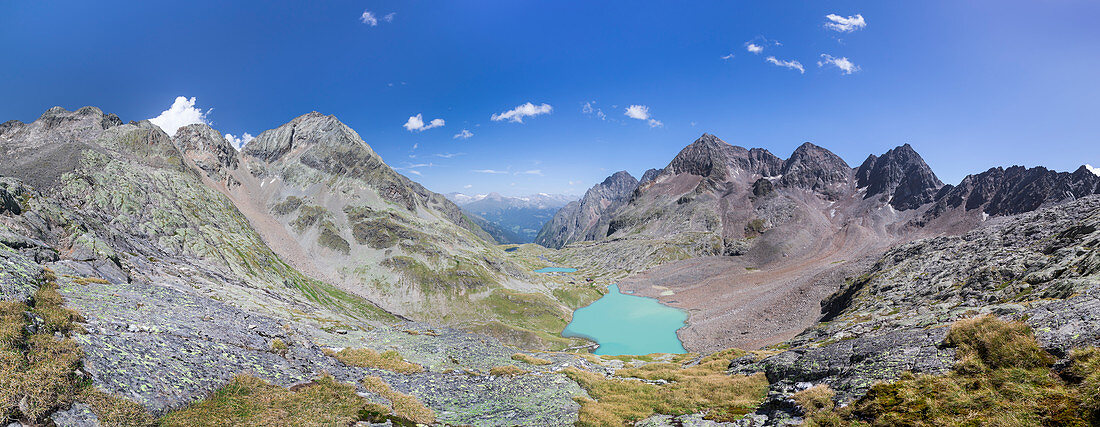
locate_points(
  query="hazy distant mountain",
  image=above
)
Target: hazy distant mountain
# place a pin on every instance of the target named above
(511, 219)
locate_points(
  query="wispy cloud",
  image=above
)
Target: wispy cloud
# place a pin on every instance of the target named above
(468, 186)
(641, 112)
(526, 110)
(845, 24)
(416, 123)
(465, 134)
(846, 67)
(792, 64)
(489, 171)
(758, 43)
(368, 18)
(180, 114)
(728, 57)
(449, 155)
(238, 143)
(589, 108)
(389, 17)
(531, 172)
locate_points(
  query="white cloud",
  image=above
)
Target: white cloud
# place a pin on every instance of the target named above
(465, 134)
(415, 172)
(727, 57)
(489, 171)
(449, 155)
(792, 64)
(845, 25)
(1093, 169)
(589, 109)
(180, 114)
(368, 18)
(754, 48)
(238, 143)
(416, 123)
(467, 186)
(845, 66)
(531, 172)
(640, 112)
(526, 110)
(389, 16)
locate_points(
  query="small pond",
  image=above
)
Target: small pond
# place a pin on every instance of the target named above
(628, 324)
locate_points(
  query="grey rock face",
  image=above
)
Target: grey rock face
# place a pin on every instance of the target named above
(900, 176)
(208, 149)
(588, 218)
(814, 168)
(649, 175)
(851, 366)
(711, 157)
(79, 415)
(1000, 191)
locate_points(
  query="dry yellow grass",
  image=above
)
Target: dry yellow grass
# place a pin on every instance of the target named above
(815, 399)
(250, 401)
(531, 360)
(115, 411)
(37, 371)
(704, 387)
(403, 405)
(507, 370)
(366, 358)
(87, 280)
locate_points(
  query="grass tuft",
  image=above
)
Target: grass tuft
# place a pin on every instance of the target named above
(704, 387)
(530, 360)
(404, 406)
(507, 370)
(248, 400)
(367, 358)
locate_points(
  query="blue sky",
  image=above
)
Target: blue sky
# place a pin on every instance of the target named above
(970, 85)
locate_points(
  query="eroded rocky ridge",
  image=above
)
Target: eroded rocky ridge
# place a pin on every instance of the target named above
(589, 217)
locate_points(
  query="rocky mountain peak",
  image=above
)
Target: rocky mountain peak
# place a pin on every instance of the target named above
(207, 148)
(306, 131)
(815, 168)
(711, 157)
(619, 180)
(705, 157)
(900, 176)
(588, 218)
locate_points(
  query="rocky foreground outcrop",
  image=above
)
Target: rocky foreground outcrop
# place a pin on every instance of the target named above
(1041, 267)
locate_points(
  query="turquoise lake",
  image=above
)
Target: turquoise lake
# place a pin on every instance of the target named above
(628, 324)
(555, 270)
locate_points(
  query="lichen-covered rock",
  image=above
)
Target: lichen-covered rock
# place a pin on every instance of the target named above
(79, 415)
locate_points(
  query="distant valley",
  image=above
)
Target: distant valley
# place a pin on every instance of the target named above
(510, 220)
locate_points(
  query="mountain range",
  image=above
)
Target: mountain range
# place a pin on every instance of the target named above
(779, 228)
(510, 220)
(148, 278)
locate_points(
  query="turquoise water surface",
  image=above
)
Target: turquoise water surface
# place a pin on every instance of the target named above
(555, 270)
(628, 324)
